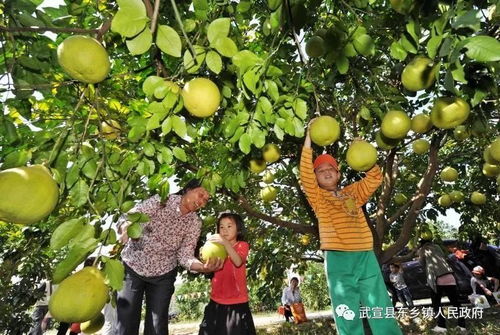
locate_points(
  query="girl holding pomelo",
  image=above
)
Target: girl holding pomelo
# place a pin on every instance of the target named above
(228, 312)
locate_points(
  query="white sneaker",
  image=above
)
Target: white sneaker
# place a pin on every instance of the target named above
(438, 329)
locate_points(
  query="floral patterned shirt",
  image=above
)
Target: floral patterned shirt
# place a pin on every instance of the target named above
(168, 239)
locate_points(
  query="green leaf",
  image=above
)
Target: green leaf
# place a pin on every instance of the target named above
(246, 59)
(483, 49)
(79, 193)
(471, 19)
(458, 72)
(149, 149)
(135, 6)
(365, 113)
(141, 43)
(397, 51)
(154, 121)
(201, 9)
(179, 126)
(16, 158)
(217, 29)
(279, 132)
(165, 156)
(180, 154)
(151, 83)
(168, 41)
(189, 62)
(413, 29)
(449, 83)
(479, 95)
(342, 63)
(251, 79)
(433, 45)
(65, 232)
(226, 46)
(138, 217)
(258, 138)
(214, 62)
(114, 273)
(128, 23)
(407, 44)
(244, 6)
(75, 256)
(300, 108)
(244, 143)
(166, 126)
(272, 89)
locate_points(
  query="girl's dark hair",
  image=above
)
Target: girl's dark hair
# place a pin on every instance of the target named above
(190, 185)
(240, 226)
(294, 278)
(395, 265)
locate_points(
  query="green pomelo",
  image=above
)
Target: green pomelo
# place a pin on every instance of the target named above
(84, 59)
(27, 194)
(211, 250)
(80, 297)
(449, 112)
(395, 124)
(419, 74)
(324, 130)
(361, 156)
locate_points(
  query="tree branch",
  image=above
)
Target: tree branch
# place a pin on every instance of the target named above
(52, 29)
(299, 228)
(154, 19)
(418, 201)
(385, 195)
(149, 8)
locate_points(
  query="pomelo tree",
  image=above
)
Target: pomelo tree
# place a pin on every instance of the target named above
(110, 143)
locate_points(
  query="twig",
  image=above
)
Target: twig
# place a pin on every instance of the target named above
(154, 19)
(181, 25)
(52, 29)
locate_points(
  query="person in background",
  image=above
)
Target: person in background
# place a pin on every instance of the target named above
(167, 240)
(40, 316)
(291, 295)
(228, 312)
(352, 270)
(481, 284)
(441, 281)
(402, 290)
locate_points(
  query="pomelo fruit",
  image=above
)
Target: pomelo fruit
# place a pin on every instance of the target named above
(27, 194)
(84, 59)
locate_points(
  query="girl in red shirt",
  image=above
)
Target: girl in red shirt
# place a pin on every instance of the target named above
(228, 312)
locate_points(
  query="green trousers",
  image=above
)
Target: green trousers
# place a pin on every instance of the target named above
(356, 285)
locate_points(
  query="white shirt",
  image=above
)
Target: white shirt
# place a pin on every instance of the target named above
(290, 297)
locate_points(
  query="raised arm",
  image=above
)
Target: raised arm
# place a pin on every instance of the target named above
(307, 176)
(368, 185)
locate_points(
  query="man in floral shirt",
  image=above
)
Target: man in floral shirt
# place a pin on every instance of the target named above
(168, 239)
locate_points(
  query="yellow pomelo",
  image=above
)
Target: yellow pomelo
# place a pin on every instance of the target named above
(257, 165)
(211, 250)
(419, 74)
(478, 198)
(80, 297)
(445, 200)
(488, 157)
(421, 123)
(449, 112)
(395, 124)
(305, 239)
(268, 177)
(268, 193)
(449, 174)
(94, 325)
(361, 156)
(385, 143)
(27, 194)
(400, 199)
(403, 6)
(420, 146)
(491, 170)
(201, 97)
(110, 129)
(271, 153)
(84, 59)
(315, 47)
(460, 133)
(495, 150)
(324, 130)
(457, 196)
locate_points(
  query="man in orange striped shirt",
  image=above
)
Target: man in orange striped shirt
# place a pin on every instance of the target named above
(353, 272)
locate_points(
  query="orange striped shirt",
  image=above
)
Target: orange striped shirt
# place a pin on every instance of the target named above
(342, 224)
